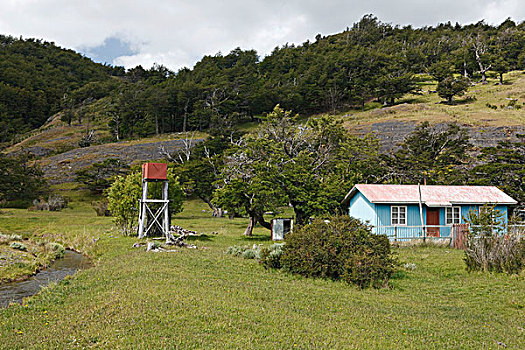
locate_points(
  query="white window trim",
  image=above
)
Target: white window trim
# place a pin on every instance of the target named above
(452, 209)
(391, 214)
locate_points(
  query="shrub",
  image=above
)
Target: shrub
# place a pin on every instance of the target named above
(55, 202)
(101, 208)
(344, 248)
(58, 249)
(18, 246)
(245, 251)
(236, 250)
(488, 248)
(4, 239)
(271, 257)
(249, 254)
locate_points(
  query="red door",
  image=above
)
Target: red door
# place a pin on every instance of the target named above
(433, 220)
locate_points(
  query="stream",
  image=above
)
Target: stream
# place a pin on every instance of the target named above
(59, 269)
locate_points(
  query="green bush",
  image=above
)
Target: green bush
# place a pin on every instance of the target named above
(271, 257)
(18, 246)
(488, 247)
(236, 250)
(245, 251)
(344, 248)
(101, 207)
(249, 254)
(58, 249)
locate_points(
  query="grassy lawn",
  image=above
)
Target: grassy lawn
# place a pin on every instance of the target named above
(205, 298)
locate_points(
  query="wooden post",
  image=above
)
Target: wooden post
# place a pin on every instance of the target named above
(421, 207)
(395, 233)
(142, 211)
(166, 211)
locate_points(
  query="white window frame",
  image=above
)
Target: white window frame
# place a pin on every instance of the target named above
(398, 216)
(454, 219)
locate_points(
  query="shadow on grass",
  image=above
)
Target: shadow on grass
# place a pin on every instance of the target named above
(410, 101)
(192, 217)
(200, 238)
(256, 238)
(458, 102)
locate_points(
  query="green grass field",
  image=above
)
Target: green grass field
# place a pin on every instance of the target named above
(206, 299)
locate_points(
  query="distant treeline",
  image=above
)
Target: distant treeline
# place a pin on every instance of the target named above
(370, 61)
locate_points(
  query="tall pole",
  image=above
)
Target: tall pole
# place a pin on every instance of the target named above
(421, 209)
(142, 212)
(166, 221)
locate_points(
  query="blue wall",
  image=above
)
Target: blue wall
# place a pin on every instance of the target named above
(362, 209)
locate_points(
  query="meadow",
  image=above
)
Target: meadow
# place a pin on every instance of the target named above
(205, 299)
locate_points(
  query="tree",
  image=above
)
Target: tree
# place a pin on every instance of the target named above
(285, 162)
(450, 87)
(20, 182)
(100, 175)
(125, 192)
(482, 56)
(500, 66)
(246, 183)
(503, 166)
(436, 154)
(441, 70)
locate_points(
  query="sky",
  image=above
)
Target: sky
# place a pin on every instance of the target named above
(177, 33)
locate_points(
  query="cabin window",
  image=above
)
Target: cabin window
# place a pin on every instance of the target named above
(453, 215)
(399, 215)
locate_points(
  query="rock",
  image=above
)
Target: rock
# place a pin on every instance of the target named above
(151, 246)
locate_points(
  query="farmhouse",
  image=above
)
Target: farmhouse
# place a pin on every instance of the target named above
(412, 211)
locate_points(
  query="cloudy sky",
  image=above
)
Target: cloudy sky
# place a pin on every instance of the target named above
(178, 33)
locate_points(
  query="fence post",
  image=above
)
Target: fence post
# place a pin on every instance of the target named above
(395, 233)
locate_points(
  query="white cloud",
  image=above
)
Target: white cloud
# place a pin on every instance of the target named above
(178, 33)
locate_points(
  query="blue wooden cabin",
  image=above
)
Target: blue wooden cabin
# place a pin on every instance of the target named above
(404, 212)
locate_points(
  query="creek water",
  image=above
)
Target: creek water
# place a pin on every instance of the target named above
(59, 269)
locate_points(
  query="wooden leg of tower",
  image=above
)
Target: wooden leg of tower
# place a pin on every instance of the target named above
(142, 210)
(166, 221)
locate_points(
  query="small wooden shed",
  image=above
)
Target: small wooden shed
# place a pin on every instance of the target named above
(281, 227)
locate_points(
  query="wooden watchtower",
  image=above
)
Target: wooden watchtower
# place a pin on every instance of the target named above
(153, 212)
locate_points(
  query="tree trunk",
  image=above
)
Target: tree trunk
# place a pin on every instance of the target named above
(156, 125)
(501, 78)
(483, 78)
(263, 223)
(300, 216)
(450, 99)
(216, 212)
(249, 229)
(392, 100)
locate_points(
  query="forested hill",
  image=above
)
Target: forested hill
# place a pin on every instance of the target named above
(35, 76)
(371, 61)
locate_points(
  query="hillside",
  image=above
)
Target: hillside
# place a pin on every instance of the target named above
(491, 112)
(374, 77)
(36, 81)
(56, 144)
(369, 61)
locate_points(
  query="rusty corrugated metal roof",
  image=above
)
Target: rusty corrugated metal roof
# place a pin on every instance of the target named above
(432, 195)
